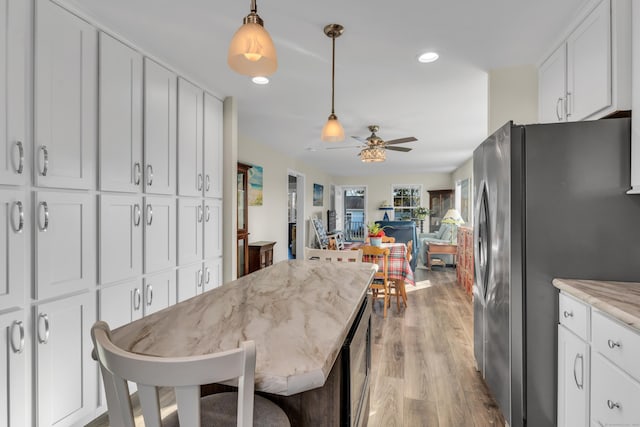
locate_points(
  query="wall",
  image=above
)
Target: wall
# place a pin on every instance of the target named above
(270, 221)
(513, 95)
(379, 188)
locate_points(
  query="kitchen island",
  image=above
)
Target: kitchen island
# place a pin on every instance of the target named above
(299, 313)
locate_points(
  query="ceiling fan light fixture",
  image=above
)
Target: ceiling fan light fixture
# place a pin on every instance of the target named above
(251, 51)
(373, 155)
(260, 80)
(333, 130)
(428, 57)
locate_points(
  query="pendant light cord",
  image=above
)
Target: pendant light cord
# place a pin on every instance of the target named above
(333, 72)
(254, 7)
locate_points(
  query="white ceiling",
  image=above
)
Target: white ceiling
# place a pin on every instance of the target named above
(378, 80)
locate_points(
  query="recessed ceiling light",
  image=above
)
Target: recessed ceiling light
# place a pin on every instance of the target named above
(260, 80)
(428, 57)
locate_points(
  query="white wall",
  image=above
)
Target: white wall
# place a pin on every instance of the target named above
(270, 221)
(513, 95)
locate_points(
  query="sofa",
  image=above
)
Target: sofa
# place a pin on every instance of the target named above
(442, 235)
(403, 231)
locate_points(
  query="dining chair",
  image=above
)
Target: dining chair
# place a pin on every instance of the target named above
(385, 239)
(380, 281)
(331, 255)
(185, 375)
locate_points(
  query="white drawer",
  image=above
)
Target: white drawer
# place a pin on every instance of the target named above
(617, 342)
(574, 315)
(614, 395)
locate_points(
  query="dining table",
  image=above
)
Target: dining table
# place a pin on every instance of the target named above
(399, 267)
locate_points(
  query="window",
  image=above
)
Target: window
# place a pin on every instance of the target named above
(405, 199)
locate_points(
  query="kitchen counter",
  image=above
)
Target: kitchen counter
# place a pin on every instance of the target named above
(298, 313)
(621, 300)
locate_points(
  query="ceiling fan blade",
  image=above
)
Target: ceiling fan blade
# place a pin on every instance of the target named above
(359, 138)
(400, 140)
(340, 148)
(403, 149)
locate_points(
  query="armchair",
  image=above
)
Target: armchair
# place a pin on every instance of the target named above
(403, 232)
(442, 235)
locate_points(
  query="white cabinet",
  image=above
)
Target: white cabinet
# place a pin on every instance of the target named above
(212, 228)
(190, 230)
(160, 119)
(190, 281)
(159, 291)
(159, 233)
(614, 395)
(13, 53)
(13, 217)
(190, 141)
(120, 242)
(66, 380)
(13, 364)
(212, 146)
(65, 243)
(121, 304)
(65, 99)
(589, 75)
(573, 379)
(120, 116)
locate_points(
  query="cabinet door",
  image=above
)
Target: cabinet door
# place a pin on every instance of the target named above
(13, 217)
(160, 118)
(573, 379)
(159, 291)
(212, 146)
(13, 26)
(121, 304)
(65, 243)
(190, 281)
(120, 116)
(614, 395)
(212, 275)
(66, 381)
(65, 99)
(13, 363)
(120, 237)
(159, 233)
(190, 177)
(552, 87)
(212, 228)
(589, 64)
(190, 218)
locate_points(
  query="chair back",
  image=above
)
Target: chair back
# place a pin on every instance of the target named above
(385, 239)
(409, 250)
(333, 256)
(185, 374)
(376, 254)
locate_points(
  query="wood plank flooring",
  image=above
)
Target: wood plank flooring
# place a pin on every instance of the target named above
(423, 371)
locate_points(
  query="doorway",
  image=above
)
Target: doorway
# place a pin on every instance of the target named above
(350, 206)
(295, 214)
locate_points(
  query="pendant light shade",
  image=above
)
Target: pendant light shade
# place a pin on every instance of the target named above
(333, 130)
(251, 51)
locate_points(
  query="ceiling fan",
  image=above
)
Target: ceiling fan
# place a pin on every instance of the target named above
(374, 141)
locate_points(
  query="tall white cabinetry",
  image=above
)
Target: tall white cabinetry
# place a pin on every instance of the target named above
(589, 75)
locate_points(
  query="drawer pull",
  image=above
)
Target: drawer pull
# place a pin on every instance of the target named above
(613, 405)
(137, 173)
(20, 167)
(613, 344)
(567, 314)
(580, 384)
(137, 299)
(45, 160)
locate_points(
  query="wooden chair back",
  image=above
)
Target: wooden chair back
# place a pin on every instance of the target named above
(333, 256)
(409, 250)
(185, 374)
(380, 281)
(385, 239)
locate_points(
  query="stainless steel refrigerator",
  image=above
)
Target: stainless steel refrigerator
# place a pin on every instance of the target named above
(549, 202)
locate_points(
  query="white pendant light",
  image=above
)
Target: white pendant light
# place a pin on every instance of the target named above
(333, 130)
(251, 51)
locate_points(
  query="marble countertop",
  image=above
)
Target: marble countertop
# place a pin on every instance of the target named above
(297, 312)
(621, 300)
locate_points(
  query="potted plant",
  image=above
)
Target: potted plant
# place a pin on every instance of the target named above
(375, 232)
(421, 214)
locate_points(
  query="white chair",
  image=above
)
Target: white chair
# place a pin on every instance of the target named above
(334, 256)
(326, 239)
(185, 374)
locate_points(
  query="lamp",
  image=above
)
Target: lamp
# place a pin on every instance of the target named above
(251, 51)
(333, 130)
(385, 206)
(454, 218)
(373, 154)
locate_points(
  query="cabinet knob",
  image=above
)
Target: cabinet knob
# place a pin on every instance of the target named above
(613, 344)
(613, 405)
(567, 314)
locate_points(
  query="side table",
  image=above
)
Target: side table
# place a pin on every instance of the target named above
(440, 248)
(260, 255)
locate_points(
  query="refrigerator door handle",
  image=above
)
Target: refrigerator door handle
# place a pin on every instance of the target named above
(483, 243)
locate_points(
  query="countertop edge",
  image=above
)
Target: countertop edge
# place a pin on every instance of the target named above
(621, 315)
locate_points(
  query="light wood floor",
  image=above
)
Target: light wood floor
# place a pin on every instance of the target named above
(423, 370)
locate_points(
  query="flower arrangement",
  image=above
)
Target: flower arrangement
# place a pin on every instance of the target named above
(421, 212)
(375, 230)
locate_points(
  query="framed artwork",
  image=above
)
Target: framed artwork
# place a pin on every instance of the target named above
(255, 186)
(317, 194)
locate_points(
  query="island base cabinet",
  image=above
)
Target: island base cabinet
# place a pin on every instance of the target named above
(615, 396)
(573, 379)
(13, 364)
(66, 380)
